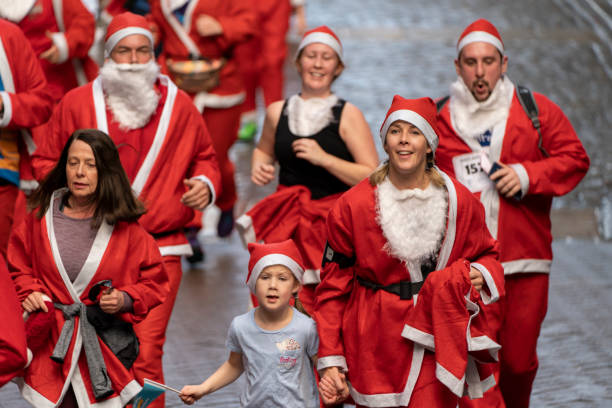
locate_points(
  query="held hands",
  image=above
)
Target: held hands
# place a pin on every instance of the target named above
(309, 150)
(208, 26)
(333, 388)
(197, 195)
(506, 181)
(262, 173)
(33, 302)
(191, 393)
(111, 301)
(476, 278)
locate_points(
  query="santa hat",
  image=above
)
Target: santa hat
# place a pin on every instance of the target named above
(324, 35)
(121, 26)
(480, 31)
(281, 253)
(419, 112)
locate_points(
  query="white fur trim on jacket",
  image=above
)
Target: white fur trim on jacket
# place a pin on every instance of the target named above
(59, 40)
(523, 177)
(244, 225)
(526, 266)
(490, 284)
(7, 115)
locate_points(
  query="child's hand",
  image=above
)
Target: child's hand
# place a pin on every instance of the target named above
(190, 394)
(333, 392)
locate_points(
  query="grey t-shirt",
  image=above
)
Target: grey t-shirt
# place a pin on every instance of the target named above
(277, 365)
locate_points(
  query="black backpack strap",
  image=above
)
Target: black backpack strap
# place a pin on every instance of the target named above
(441, 102)
(530, 107)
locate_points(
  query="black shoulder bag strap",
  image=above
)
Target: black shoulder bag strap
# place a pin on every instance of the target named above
(530, 107)
(441, 102)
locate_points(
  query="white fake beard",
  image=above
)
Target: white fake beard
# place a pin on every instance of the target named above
(130, 92)
(412, 220)
(15, 10)
(472, 118)
(309, 116)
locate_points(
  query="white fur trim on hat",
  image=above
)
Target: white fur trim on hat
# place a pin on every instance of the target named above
(274, 259)
(417, 120)
(323, 38)
(480, 36)
(121, 34)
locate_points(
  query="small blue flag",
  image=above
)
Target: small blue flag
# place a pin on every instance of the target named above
(150, 391)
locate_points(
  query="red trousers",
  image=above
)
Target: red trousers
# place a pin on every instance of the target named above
(428, 391)
(524, 311)
(152, 331)
(223, 127)
(261, 59)
(8, 197)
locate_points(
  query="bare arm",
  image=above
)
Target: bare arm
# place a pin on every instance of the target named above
(226, 374)
(262, 162)
(355, 132)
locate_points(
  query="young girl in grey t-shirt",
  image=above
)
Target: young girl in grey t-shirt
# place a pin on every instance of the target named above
(274, 344)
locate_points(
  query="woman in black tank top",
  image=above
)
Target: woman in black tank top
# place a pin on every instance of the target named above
(323, 146)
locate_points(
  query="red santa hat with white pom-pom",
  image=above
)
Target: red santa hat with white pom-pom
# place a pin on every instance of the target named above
(324, 35)
(281, 253)
(480, 31)
(419, 112)
(121, 26)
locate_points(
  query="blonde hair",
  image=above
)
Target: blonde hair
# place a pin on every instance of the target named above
(379, 175)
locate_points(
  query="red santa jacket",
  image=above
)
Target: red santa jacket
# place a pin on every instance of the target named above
(13, 355)
(179, 40)
(523, 227)
(124, 253)
(180, 148)
(450, 319)
(360, 329)
(26, 99)
(72, 29)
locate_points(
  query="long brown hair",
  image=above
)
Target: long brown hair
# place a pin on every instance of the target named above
(113, 199)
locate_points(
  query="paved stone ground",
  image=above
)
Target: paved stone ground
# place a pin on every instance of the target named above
(391, 48)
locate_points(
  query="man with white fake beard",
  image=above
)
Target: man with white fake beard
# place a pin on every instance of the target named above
(164, 147)
(515, 162)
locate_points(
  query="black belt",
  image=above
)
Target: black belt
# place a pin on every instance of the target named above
(404, 289)
(159, 235)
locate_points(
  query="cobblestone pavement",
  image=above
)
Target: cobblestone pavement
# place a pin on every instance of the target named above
(561, 48)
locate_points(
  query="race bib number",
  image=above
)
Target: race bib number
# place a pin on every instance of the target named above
(469, 172)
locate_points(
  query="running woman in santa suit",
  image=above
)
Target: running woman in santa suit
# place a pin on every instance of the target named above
(407, 230)
(323, 146)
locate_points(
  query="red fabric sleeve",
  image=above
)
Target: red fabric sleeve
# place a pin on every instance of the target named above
(152, 288)
(333, 293)
(19, 259)
(238, 24)
(13, 356)
(80, 28)
(205, 162)
(50, 139)
(568, 161)
(31, 102)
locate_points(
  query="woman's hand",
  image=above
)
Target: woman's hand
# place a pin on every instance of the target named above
(33, 302)
(476, 278)
(333, 387)
(208, 26)
(308, 149)
(262, 173)
(111, 301)
(191, 393)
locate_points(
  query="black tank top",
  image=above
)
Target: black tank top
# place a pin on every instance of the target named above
(294, 171)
